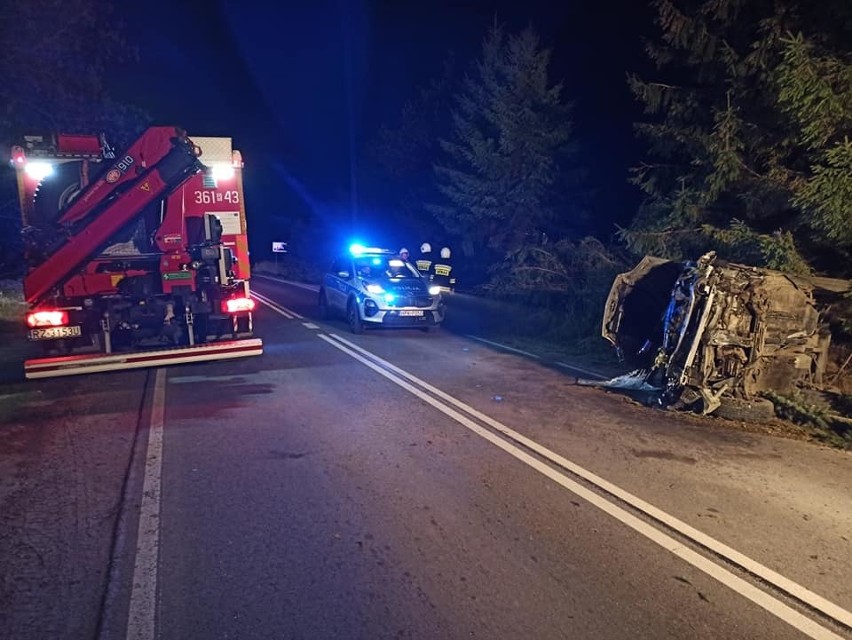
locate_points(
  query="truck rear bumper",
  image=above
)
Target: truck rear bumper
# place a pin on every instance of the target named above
(96, 363)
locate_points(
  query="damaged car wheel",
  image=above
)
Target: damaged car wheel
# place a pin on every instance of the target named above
(754, 410)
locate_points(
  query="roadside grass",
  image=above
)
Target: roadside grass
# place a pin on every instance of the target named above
(824, 416)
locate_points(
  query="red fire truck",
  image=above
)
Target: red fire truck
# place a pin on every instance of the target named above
(135, 259)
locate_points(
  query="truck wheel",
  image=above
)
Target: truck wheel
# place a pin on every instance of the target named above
(323, 305)
(55, 192)
(353, 318)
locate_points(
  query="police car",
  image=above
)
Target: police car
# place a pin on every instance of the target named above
(375, 288)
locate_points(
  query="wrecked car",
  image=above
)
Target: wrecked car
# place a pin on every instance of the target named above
(708, 332)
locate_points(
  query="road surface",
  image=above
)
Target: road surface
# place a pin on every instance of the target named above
(403, 485)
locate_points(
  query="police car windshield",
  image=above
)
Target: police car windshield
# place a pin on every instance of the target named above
(384, 267)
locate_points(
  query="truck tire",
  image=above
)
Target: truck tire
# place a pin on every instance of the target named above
(55, 192)
(754, 410)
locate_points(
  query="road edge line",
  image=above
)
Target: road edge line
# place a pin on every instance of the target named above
(142, 612)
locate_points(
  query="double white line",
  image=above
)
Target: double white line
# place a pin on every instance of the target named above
(561, 470)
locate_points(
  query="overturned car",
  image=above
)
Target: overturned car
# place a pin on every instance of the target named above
(708, 332)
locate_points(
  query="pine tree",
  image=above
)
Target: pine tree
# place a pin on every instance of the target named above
(816, 93)
(746, 133)
(504, 173)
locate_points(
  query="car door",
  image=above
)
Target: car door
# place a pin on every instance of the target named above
(336, 284)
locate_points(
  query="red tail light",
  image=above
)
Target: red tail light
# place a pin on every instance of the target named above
(18, 157)
(47, 318)
(237, 305)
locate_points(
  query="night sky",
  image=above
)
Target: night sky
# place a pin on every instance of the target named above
(302, 88)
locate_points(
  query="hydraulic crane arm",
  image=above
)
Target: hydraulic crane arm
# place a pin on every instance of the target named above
(149, 149)
(164, 160)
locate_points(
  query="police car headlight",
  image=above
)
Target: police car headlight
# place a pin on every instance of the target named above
(433, 291)
(375, 288)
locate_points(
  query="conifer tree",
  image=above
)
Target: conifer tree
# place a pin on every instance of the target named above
(504, 175)
(747, 133)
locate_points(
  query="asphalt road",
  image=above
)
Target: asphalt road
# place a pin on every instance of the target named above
(403, 485)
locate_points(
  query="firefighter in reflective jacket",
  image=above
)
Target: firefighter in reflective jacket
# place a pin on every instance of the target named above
(442, 272)
(424, 261)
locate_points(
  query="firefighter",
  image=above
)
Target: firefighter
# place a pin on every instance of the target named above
(442, 270)
(424, 262)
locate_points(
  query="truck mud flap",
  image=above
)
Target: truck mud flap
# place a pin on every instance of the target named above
(96, 363)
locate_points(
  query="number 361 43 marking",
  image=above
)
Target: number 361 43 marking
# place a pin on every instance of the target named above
(212, 197)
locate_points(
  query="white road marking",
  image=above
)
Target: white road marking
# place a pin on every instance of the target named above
(310, 325)
(19, 394)
(277, 307)
(726, 577)
(192, 379)
(588, 372)
(503, 346)
(141, 618)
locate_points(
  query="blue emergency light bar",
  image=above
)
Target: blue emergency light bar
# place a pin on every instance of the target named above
(359, 249)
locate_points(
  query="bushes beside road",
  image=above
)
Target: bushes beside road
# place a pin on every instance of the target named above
(561, 289)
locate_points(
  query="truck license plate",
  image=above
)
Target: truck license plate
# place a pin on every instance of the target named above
(52, 333)
(411, 312)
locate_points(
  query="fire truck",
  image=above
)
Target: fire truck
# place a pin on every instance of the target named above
(134, 259)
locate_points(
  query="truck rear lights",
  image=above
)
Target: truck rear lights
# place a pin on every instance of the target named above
(18, 157)
(47, 318)
(237, 305)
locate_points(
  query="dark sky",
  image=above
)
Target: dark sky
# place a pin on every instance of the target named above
(303, 86)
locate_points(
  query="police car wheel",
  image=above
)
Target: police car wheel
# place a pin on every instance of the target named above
(352, 317)
(323, 306)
